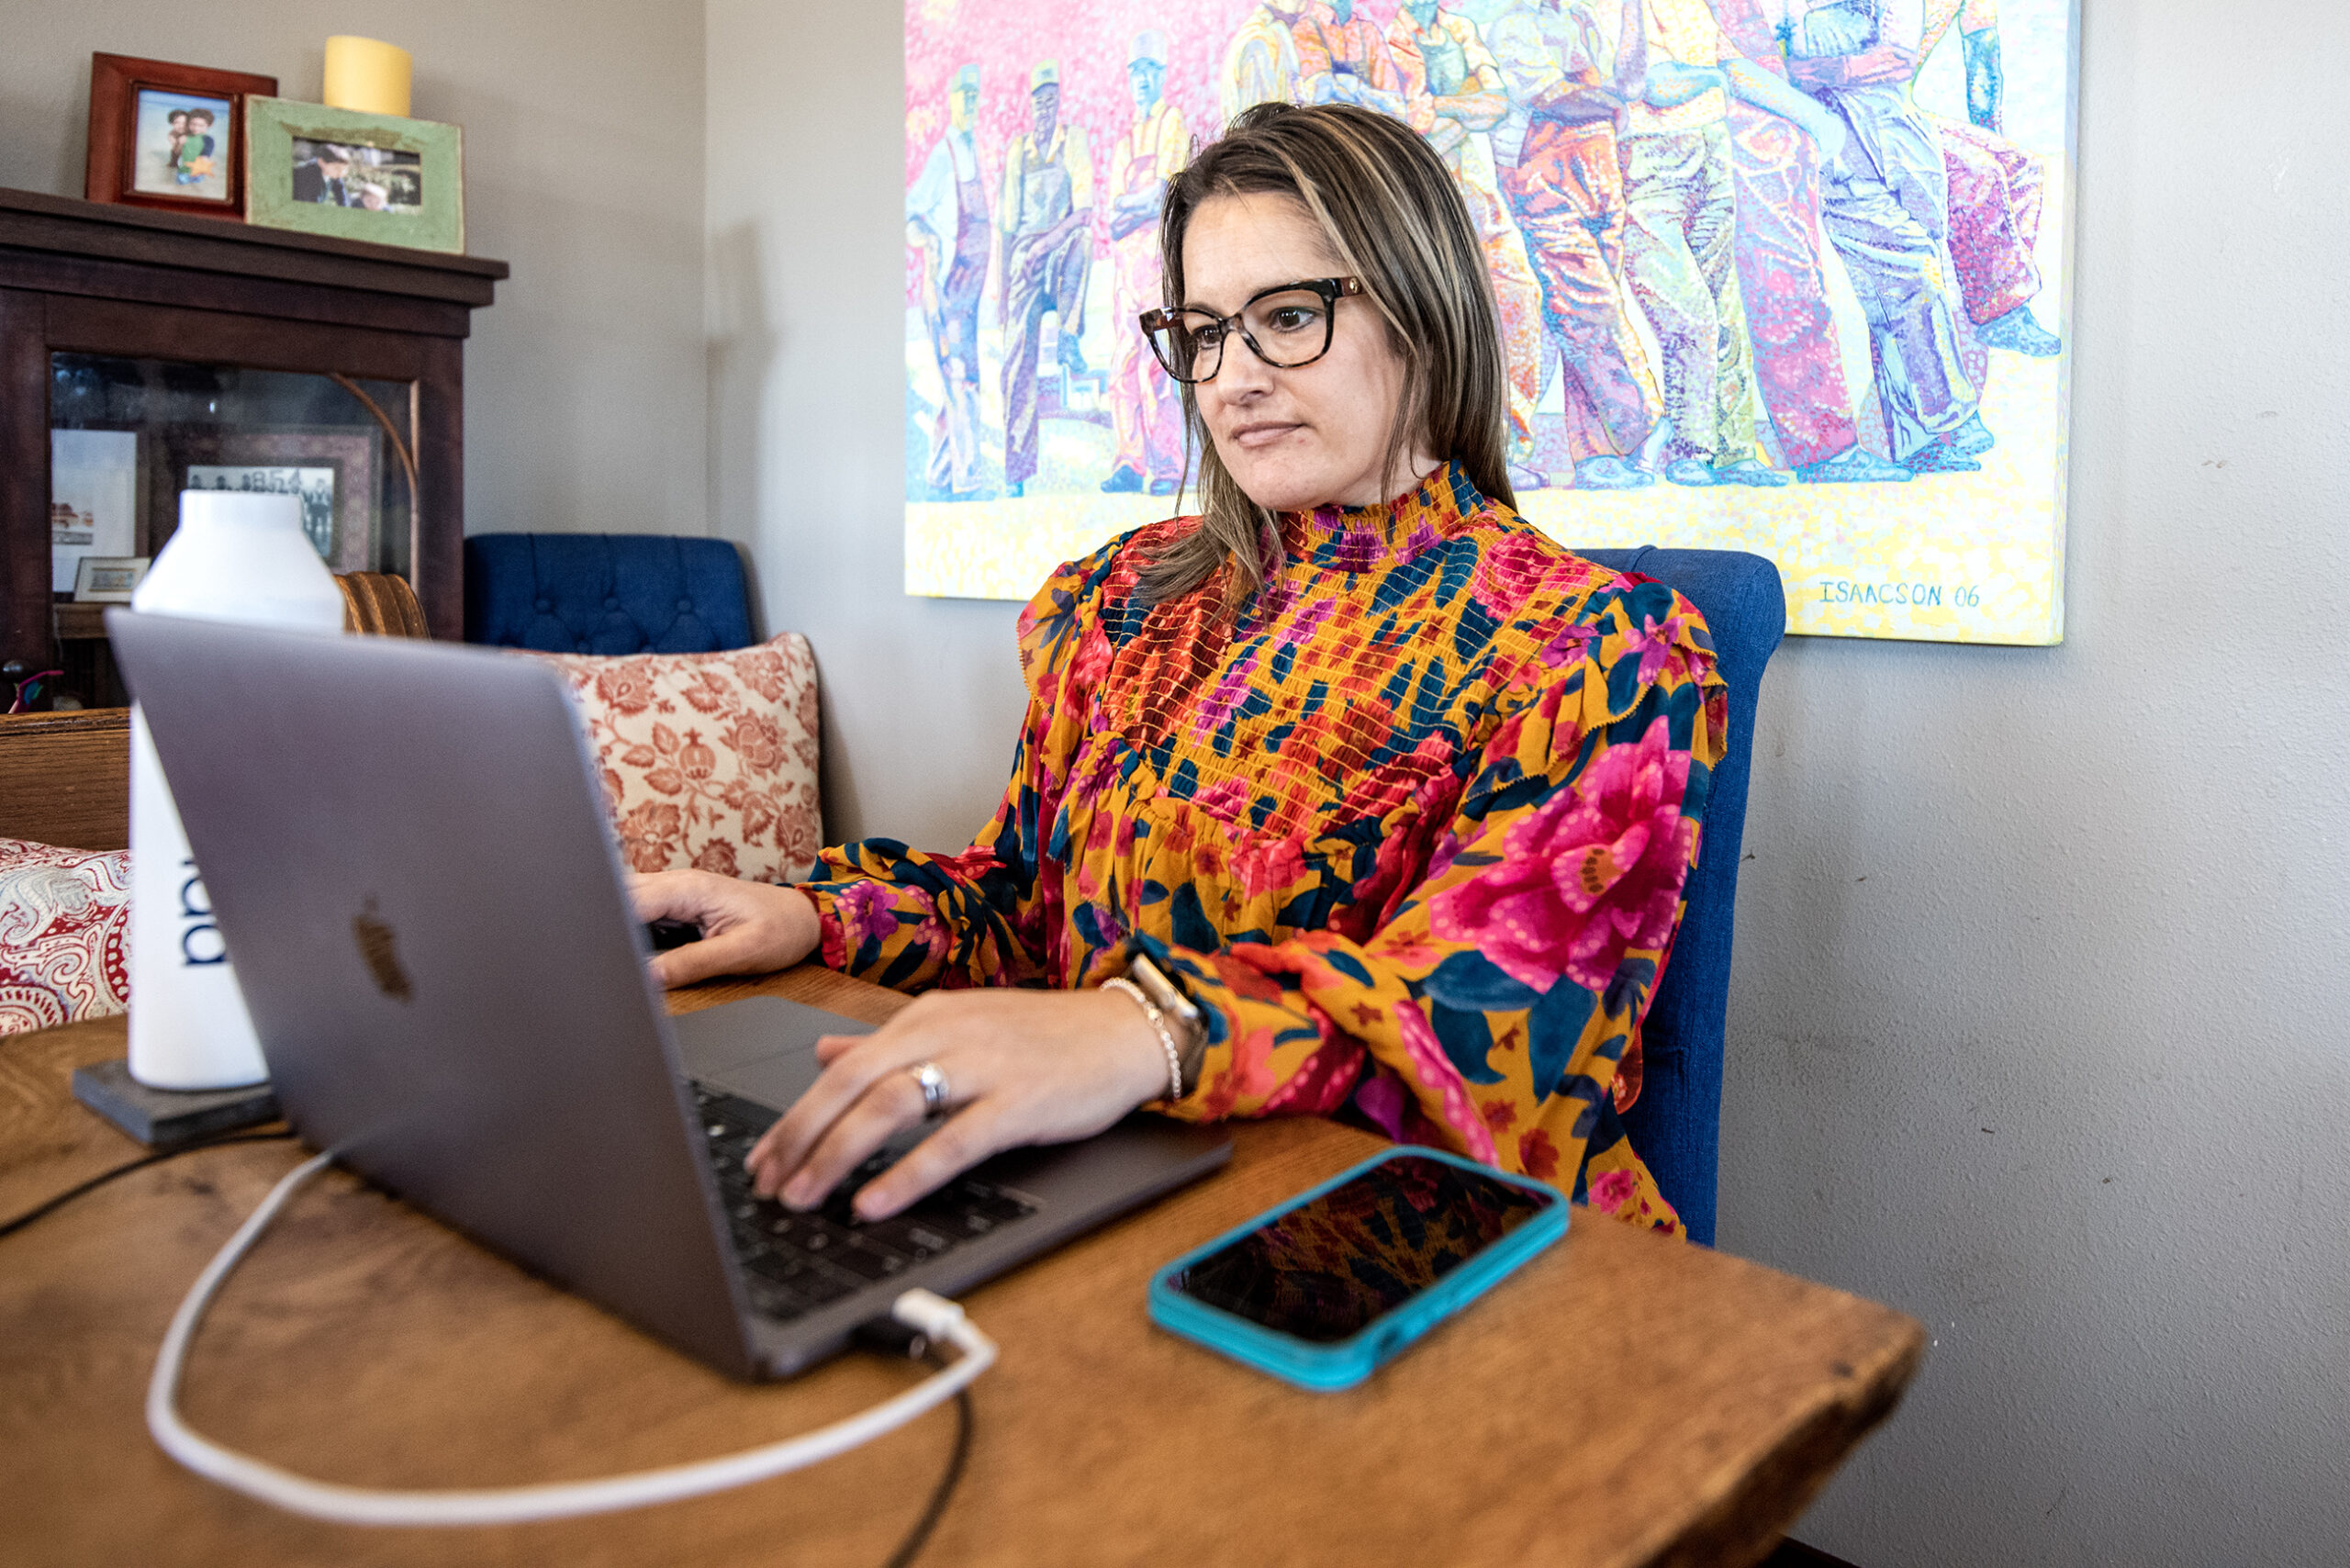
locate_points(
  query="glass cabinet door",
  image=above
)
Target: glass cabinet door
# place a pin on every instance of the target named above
(127, 435)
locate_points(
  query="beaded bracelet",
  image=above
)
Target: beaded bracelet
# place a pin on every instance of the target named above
(1121, 984)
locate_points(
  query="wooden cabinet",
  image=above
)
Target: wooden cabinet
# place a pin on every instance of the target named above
(161, 306)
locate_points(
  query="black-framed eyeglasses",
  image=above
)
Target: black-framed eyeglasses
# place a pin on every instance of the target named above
(1288, 326)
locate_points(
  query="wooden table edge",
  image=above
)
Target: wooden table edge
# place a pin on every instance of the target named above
(1746, 1521)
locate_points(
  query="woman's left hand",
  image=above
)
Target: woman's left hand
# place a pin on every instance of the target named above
(1022, 1066)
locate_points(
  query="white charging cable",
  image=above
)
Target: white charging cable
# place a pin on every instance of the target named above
(935, 1317)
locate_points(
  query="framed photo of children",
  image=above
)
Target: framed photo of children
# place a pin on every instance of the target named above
(355, 176)
(168, 135)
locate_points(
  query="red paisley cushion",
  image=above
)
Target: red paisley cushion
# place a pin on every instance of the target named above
(65, 935)
(708, 760)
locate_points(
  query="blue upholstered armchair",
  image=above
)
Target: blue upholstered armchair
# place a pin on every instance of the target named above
(1676, 1122)
(605, 593)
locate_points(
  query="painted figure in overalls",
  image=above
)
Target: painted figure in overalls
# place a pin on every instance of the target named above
(1144, 408)
(1453, 96)
(1681, 231)
(947, 220)
(1342, 59)
(1887, 208)
(1260, 60)
(1555, 154)
(1995, 190)
(1783, 265)
(1045, 217)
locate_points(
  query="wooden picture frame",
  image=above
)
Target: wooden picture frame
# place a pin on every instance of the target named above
(130, 104)
(411, 171)
(352, 451)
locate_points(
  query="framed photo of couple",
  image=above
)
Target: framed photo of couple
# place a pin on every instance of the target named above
(168, 135)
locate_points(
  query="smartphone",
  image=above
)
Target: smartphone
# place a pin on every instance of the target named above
(1340, 1280)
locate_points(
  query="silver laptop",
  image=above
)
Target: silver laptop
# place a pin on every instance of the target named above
(407, 854)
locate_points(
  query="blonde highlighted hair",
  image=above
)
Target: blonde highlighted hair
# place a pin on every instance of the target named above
(1395, 220)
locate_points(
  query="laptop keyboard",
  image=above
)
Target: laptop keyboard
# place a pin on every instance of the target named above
(793, 1262)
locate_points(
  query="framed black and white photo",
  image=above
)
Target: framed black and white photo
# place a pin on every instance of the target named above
(336, 472)
(315, 486)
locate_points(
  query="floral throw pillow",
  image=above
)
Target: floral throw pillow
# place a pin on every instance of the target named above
(708, 760)
(65, 935)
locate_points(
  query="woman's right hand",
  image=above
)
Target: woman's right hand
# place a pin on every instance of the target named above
(747, 928)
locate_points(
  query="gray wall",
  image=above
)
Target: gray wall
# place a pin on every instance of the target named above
(2089, 897)
(806, 291)
(583, 149)
(2038, 1029)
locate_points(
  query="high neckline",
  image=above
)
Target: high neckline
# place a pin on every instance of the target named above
(1360, 539)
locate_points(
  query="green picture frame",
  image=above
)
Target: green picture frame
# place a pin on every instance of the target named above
(352, 175)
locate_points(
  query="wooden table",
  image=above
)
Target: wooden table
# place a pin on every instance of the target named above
(1622, 1400)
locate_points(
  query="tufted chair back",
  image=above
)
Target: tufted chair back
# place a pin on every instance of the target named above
(605, 593)
(1676, 1122)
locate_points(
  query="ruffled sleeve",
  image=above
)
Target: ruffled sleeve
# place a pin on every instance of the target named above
(911, 919)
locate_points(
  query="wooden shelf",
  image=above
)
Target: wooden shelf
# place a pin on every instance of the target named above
(80, 622)
(65, 226)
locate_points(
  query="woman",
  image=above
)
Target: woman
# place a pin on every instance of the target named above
(1396, 793)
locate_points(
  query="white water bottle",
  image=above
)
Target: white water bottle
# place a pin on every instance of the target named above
(237, 555)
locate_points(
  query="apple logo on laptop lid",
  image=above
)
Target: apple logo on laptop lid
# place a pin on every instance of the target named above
(378, 947)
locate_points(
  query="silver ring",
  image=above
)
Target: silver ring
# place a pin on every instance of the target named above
(934, 1087)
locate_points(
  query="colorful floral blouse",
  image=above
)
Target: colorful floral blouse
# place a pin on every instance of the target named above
(1411, 829)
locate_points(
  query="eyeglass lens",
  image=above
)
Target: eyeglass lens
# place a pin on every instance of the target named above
(1287, 330)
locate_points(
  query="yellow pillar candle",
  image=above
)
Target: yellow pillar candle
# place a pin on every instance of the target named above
(367, 75)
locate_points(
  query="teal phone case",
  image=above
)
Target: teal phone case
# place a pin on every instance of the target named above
(1345, 1363)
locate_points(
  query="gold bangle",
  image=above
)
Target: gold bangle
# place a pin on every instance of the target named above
(1125, 987)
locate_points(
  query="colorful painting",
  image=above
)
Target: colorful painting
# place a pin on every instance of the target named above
(1781, 276)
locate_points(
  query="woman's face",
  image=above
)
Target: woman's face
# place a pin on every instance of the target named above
(1296, 439)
